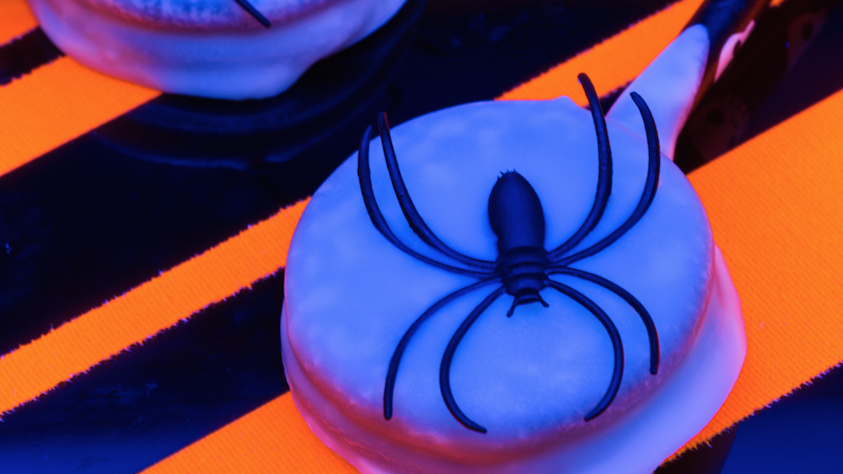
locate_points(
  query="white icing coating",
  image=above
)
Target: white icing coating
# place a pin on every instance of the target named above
(227, 63)
(530, 379)
(669, 84)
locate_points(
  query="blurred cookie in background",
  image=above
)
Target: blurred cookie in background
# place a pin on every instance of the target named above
(224, 49)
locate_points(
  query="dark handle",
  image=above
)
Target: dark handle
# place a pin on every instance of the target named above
(722, 19)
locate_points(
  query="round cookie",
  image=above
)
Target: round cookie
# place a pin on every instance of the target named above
(209, 48)
(530, 379)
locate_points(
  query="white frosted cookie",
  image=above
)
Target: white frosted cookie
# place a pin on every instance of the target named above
(210, 48)
(534, 390)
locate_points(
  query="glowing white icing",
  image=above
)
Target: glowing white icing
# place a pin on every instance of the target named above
(249, 63)
(529, 379)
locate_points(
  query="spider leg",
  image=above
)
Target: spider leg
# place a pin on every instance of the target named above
(413, 218)
(254, 12)
(399, 351)
(445, 367)
(379, 222)
(604, 180)
(631, 300)
(617, 372)
(646, 197)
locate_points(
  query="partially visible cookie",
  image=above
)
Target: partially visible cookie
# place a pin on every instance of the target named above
(208, 48)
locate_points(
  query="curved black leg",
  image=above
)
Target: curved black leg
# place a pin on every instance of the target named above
(631, 300)
(604, 179)
(646, 197)
(399, 351)
(379, 222)
(410, 212)
(445, 367)
(617, 372)
(254, 12)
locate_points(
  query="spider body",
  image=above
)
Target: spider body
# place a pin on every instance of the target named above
(523, 267)
(516, 216)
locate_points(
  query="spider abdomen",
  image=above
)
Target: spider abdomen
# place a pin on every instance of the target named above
(515, 213)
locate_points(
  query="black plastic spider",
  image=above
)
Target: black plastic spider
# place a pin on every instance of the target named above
(523, 265)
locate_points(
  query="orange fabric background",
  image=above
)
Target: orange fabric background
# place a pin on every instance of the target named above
(772, 203)
(55, 115)
(776, 207)
(15, 19)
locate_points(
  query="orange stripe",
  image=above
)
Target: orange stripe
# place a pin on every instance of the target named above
(612, 63)
(15, 20)
(62, 100)
(130, 319)
(777, 213)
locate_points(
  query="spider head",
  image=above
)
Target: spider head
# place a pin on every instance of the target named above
(523, 272)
